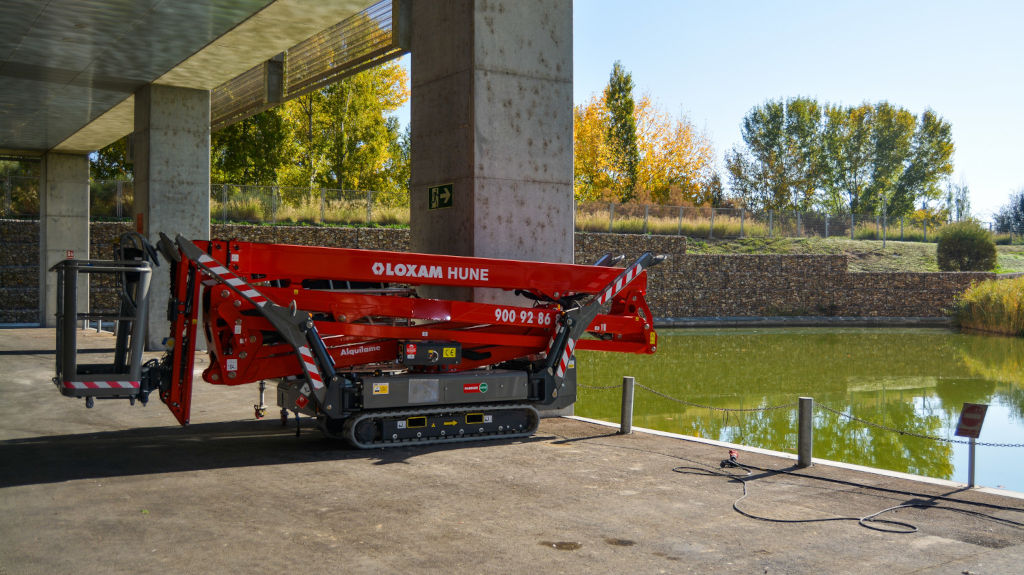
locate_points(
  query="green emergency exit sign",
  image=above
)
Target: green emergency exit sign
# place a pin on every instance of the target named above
(440, 197)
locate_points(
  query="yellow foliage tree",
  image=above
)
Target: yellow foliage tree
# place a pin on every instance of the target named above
(674, 156)
(592, 157)
(676, 160)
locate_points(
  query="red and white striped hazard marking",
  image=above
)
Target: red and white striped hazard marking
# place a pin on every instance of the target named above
(232, 280)
(311, 368)
(620, 282)
(563, 362)
(101, 384)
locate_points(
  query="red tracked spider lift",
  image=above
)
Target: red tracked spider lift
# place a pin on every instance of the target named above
(352, 345)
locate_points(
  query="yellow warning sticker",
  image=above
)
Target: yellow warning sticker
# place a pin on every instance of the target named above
(448, 352)
(380, 389)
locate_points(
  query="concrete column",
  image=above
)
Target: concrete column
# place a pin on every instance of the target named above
(172, 178)
(491, 114)
(63, 226)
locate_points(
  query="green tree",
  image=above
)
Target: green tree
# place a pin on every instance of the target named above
(847, 157)
(757, 173)
(249, 151)
(780, 165)
(111, 162)
(19, 168)
(892, 131)
(621, 136)
(803, 151)
(958, 198)
(1010, 217)
(393, 179)
(339, 136)
(929, 163)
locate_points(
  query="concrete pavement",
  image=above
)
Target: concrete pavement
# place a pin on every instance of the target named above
(120, 489)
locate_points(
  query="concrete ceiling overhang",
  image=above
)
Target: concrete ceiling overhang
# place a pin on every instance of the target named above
(69, 68)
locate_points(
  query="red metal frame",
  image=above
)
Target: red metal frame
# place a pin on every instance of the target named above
(362, 331)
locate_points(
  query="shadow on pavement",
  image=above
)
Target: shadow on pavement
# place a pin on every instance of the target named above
(53, 459)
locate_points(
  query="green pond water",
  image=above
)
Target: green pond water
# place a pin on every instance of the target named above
(915, 380)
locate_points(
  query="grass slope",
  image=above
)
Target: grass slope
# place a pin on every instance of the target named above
(864, 255)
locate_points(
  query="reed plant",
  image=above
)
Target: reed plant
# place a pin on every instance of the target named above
(725, 226)
(995, 306)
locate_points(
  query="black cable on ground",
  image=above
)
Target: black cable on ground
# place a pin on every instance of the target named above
(868, 521)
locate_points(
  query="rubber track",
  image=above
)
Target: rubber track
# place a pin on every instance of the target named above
(350, 425)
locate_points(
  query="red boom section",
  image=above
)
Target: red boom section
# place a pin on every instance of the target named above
(365, 305)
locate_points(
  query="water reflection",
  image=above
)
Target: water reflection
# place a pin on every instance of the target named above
(913, 380)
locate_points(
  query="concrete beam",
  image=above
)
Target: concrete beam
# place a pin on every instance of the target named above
(63, 226)
(172, 178)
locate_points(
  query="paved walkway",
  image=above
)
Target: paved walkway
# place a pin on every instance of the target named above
(120, 489)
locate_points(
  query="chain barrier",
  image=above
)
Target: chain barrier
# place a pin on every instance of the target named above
(690, 403)
(852, 417)
(817, 405)
(598, 387)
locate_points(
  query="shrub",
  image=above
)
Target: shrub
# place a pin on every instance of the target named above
(964, 247)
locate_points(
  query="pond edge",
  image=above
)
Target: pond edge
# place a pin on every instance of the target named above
(815, 461)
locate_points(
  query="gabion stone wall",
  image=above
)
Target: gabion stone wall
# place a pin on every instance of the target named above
(19, 271)
(682, 286)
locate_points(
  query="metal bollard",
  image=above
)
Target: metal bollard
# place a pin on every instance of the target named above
(626, 419)
(805, 433)
(970, 462)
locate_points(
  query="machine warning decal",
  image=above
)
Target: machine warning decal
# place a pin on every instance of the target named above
(449, 352)
(380, 388)
(474, 387)
(232, 364)
(410, 349)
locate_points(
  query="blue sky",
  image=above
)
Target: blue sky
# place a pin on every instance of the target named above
(713, 61)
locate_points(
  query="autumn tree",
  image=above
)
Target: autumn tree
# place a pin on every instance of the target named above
(624, 154)
(674, 160)
(590, 150)
(673, 155)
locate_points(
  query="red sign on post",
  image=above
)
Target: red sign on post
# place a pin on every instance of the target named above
(971, 417)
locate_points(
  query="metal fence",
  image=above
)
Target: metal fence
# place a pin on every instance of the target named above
(19, 198)
(281, 204)
(111, 199)
(706, 222)
(114, 200)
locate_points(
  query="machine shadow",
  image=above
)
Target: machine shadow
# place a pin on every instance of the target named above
(54, 459)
